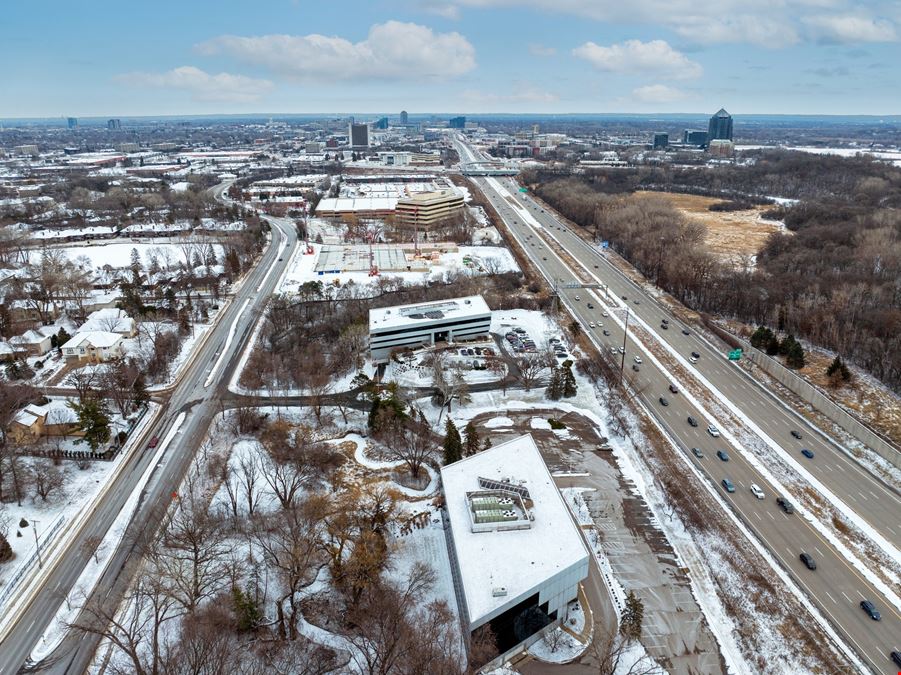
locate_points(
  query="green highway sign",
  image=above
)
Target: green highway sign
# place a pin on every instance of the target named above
(735, 355)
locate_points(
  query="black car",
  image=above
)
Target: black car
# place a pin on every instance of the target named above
(664, 326)
(635, 367)
(785, 505)
(590, 306)
(692, 422)
(663, 401)
(896, 657)
(722, 455)
(664, 321)
(696, 355)
(796, 434)
(673, 389)
(871, 610)
(808, 561)
(606, 332)
(685, 331)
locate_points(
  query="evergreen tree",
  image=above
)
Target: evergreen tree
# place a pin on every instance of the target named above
(93, 420)
(471, 442)
(795, 356)
(62, 337)
(136, 267)
(761, 337)
(453, 444)
(247, 610)
(786, 345)
(838, 369)
(6, 551)
(569, 382)
(554, 389)
(139, 395)
(373, 419)
(772, 346)
(486, 444)
(632, 618)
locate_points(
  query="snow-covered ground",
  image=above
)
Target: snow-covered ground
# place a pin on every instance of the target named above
(119, 254)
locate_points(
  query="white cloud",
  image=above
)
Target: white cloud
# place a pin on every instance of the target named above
(635, 56)
(220, 88)
(851, 28)
(657, 93)
(443, 9)
(525, 94)
(540, 50)
(392, 50)
(756, 30)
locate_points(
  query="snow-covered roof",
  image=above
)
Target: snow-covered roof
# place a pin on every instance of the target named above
(518, 560)
(95, 338)
(31, 337)
(56, 411)
(408, 315)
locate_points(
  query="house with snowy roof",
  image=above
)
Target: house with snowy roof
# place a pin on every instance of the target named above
(55, 418)
(33, 342)
(112, 320)
(93, 347)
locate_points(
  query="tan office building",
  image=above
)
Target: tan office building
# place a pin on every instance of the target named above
(423, 210)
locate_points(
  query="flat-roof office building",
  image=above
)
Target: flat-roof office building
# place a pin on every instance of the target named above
(423, 210)
(516, 554)
(402, 326)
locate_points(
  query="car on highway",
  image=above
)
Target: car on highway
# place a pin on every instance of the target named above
(697, 453)
(896, 657)
(637, 359)
(796, 434)
(624, 297)
(591, 324)
(713, 431)
(636, 367)
(785, 505)
(695, 355)
(807, 453)
(692, 422)
(664, 326)
(604, 314)
(664, 321)
(693, 359)
(728, 485)
(544, 258)
(673, 389)
(606, 332)
(871, 610)
(756, 491)
(685, 331)
(663, 402)
(722, 455)
(590, 306)
(637, 301)
(621, 350)
(578, 298)
(155, 441)
(808, 561)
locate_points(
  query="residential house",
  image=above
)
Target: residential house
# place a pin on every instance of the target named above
(93, 347)
(110, 320)
(33, 342)
(55, 418)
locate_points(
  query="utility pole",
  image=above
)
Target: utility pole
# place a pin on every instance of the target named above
(622, 362)
(37, 543)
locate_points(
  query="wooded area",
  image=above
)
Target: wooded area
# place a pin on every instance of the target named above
(835, 279)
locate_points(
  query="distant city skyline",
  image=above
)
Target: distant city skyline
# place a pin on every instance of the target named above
(563, 56)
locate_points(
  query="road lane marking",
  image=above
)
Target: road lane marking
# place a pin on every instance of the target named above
(771, 516)
(846, 596)
(817, 549)
(830, 596)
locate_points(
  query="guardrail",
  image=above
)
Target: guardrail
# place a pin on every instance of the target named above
(28, 564)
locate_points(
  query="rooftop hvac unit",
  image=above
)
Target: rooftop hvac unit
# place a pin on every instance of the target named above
(499, 591)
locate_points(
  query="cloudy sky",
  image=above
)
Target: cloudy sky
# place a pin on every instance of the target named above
(87, 57)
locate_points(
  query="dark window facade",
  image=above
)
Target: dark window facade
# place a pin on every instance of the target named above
(520, 622)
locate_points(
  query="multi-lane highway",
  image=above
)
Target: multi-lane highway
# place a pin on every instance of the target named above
(197, 393)
(836, 587)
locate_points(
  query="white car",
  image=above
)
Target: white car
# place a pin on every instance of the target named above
(604, 314)
(713, 431)
(756, 491)
(578, 298)
(692, 359)
(637, 359)
(591, 324)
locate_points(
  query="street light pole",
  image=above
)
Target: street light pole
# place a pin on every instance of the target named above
(37, 543)
(622, 363)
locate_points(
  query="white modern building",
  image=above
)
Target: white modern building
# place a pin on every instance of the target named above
(516, 554)
(426, 323)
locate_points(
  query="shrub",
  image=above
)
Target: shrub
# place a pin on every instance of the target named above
(556, 424)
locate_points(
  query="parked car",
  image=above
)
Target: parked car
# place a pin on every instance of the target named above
(697, 453)
(808, 561)
(591, 324)
(756, 491)
(871, 610)
(637, 301)
(578, 298)
(785, 505)
(723, 455)
(713, 431)
(666, 321)
(807, 453)
(663, 402)
(692, 422)
(728, 485)
(796, 434)
(693, 359)
(604, 314)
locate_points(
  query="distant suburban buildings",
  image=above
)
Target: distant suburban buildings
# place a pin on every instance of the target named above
(381, 124)
(358, 135)
(72, 122)
(516, 555)
(424, 209)
(457, 122)
(404, 117)
(720, 127)
(661, 140)
(114, 124)
(694, 137)
(402, 326)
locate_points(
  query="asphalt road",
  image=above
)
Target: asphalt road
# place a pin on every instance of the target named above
(835, 587)
(201, 386)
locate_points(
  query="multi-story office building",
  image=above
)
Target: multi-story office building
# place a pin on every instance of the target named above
(661, 140)
(114, 124)
(404, 117)
(402, 326)
(694, 137)
(424, 209)
(457, 122)
(381, 123)
(358, 135)
(720, 127)
(72, 122)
